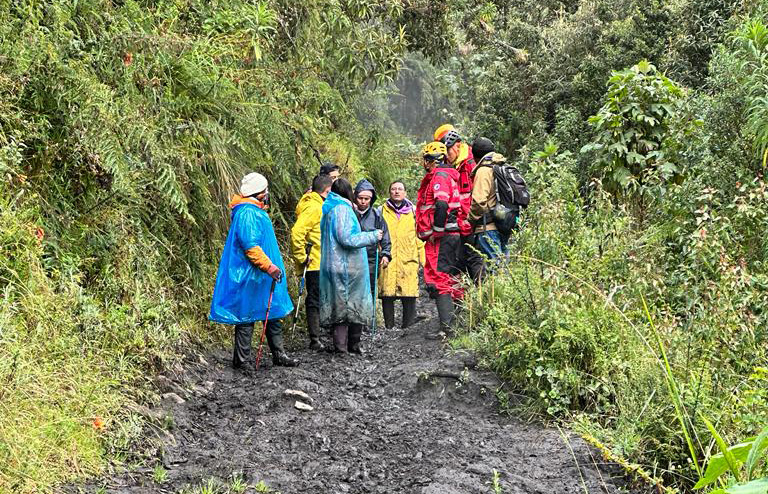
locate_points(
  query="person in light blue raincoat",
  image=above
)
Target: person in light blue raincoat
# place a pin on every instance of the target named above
(345, 290)
(250, 265)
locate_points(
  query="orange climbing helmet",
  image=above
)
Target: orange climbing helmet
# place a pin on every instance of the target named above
(442, 130)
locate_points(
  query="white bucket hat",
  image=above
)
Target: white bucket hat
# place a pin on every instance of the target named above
(253, 183)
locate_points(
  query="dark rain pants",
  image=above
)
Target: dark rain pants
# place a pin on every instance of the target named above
(244, 337)
(409, 311)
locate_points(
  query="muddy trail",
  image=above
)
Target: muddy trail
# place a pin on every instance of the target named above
(410, 416)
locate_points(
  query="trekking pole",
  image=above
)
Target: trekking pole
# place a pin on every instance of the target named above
(377, 224)
(266, 318)
(375, 289)
(301, 288)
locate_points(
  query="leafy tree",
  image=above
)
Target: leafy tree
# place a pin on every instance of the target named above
(633, 128)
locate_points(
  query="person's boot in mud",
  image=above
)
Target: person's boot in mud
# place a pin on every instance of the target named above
(445, 315)
(409, 311)
(353, 339)
(241, 356)
(313, 327)
(275, 342)
(340, 339)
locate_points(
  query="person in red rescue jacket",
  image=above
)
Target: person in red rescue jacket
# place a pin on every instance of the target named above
(437, 211)
(459, 154)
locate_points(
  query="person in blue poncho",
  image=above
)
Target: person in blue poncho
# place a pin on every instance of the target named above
(346, 304)
(250, 262)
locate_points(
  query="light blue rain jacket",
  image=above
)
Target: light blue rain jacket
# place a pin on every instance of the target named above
(242, 290)
(345, 288)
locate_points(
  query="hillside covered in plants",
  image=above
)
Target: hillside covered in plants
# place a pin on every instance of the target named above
(633, 306)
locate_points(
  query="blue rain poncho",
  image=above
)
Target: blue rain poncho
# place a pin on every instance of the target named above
(242, 290)
(345, 288)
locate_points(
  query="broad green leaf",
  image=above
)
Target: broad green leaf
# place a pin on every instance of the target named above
(759, 486)
(717, 465)
(729, 458)
(756, 451)
(622, 176)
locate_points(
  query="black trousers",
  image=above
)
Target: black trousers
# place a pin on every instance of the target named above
(244, 337)
(312, 288)
(409, 311)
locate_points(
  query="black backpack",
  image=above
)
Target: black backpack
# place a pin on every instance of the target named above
(511, 194)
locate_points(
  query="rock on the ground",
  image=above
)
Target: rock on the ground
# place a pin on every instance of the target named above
(303, 406)
(295, 393)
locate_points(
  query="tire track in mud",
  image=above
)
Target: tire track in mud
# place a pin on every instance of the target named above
(409, 417)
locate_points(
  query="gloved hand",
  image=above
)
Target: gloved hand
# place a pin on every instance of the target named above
(275, 272)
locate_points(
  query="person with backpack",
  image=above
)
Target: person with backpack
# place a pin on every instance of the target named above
(400, 281)
(498, 195)
(460, 155)
(306, 232)
(250, 276)
(437, 211)
(371, 220)
(346, 304)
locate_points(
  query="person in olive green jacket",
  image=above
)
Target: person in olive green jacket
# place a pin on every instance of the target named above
(401, 278)
(305, 232)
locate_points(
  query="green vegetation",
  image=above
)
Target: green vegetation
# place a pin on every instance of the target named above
(634, 302)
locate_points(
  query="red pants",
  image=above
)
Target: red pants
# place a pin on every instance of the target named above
(442, 269)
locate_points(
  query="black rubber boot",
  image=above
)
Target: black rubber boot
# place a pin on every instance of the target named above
(388, 308)
(313, 327)
(353, 338)
(445, 313)
(340, 338)
(242, 353)
(409, 311)
(275, 342)
(281, 359)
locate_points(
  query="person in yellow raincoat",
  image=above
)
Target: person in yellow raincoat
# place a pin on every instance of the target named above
(306, 232)
(400, 280)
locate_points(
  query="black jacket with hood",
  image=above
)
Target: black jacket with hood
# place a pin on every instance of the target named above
(370, 220)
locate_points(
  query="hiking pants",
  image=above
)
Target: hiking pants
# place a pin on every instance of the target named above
(244, 337)
(443, 265)
(492, 244)
(409, 311)
(312, 288)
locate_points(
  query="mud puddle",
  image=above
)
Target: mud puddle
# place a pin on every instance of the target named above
(408, 417)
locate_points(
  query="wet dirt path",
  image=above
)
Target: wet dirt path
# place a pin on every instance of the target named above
(409, 417)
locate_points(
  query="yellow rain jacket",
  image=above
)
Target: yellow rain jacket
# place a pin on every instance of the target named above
(309, 212)
(401, 276)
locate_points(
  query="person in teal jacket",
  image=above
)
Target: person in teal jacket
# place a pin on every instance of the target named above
(345, 289)
(250, 262)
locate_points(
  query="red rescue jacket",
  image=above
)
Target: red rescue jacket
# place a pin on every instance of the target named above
(465, 164)
(438, 205)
